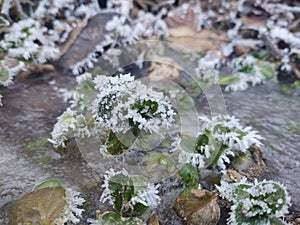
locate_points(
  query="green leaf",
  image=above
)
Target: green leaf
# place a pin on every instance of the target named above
(114, 145)
(217, 154)
(189, 176)
(296, 83)
(240, 218)
(246, 69)
(48, 184)
(227, 79)
(202, 140)
(199, 55)
(111, 218)
(266, 69)
(276, 221)
(4, 75)
(128, 191)
(139, 209)
(186, 56)
(263, 54)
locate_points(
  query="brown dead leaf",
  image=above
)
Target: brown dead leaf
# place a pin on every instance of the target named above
(241, 49)
(167, 68)
(201, 41)
(183, 21)
(253, 21)
(181, 31)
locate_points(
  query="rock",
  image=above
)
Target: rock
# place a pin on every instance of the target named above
(90, 36)
(198, 207)
(252, 163)
(210, 177)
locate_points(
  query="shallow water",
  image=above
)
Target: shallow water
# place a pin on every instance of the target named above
(31, 109)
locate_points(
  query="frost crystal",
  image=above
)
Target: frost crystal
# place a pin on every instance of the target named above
(247, 73)
(255, 203)
(71, 212)
(27, 39)
(222, 134)
(145, 195)
(148, 197)
(7, 73)
(68, 123)
(123, 102)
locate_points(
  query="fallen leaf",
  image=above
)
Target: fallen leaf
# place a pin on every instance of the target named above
(201, 41)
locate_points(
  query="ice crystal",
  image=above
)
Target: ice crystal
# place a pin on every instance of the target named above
(247, 72)
(119, 31)
(123, 102)
(145, 195)
(119, 26)
(7, 73)
(71, 212)
(21, 40)
(148, 197)
(69, 123)
(222, 134)
(255, 203)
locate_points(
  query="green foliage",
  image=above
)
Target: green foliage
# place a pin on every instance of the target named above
(256, 204)
(4, 75)
(48, 184)
(261, 55)
(114, 145)
(266, 69)
(37, 145)
(189, 176)
(122, 190)
(227, 79)
(110, 218)
(202, 140)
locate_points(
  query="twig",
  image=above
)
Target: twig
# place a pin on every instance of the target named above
(72, 38)
(270, 45)
(36, 68)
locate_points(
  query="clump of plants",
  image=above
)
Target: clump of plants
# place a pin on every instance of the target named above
(260, 203)
(247, 71)
(129, 196)
(113, 106)
(222, 139)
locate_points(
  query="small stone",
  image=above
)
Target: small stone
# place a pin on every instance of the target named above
(198, 207)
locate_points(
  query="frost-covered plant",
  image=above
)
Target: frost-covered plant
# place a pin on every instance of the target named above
(69, 123)
(128, 195)
(119, 104)
(247, 71)
(221, 139)
(123, 103)
(71, 213)
(27, 40)
(7, 72)
(119, 32)
(258, 203)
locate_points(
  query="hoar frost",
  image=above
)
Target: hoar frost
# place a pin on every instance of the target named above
(222, 134)
(256, 203)
(123, 102)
